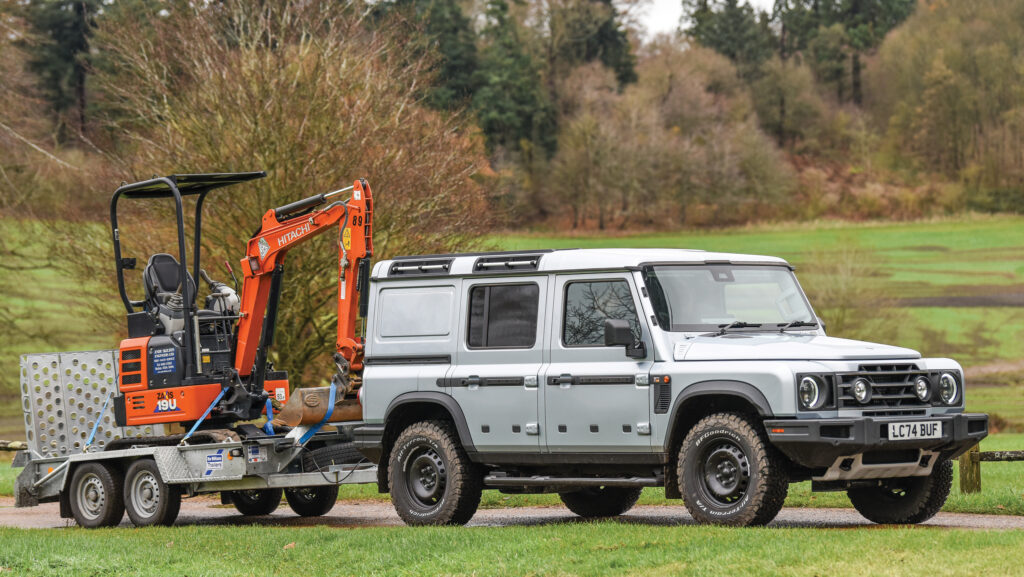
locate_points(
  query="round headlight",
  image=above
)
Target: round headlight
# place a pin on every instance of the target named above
(949, 389)
(862, 390)
(922, 388)
(810, 393)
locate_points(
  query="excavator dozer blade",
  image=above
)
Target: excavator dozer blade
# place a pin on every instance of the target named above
(308, 407)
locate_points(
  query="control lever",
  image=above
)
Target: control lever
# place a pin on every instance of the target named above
(231, 272)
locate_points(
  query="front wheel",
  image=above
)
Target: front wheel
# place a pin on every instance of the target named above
(312, 501)
(906, 500)
(147, 499)
(729, 474)
(432, 480)
(601, 501)
(256, 503)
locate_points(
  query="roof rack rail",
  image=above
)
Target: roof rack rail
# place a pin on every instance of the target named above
(422, 267)
(507, 263)
(484, 253)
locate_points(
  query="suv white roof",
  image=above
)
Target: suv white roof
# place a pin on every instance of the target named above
(561, 260)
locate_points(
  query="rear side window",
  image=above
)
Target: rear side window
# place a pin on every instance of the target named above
(588, 304)
(503, 316)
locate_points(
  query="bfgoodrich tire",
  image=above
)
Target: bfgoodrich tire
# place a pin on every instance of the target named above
(432, 480)
(256, 503)
(729, 474)
(907, 500)
(601, 501)
(147, 499)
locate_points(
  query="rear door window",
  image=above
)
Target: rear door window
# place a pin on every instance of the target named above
(503, 316)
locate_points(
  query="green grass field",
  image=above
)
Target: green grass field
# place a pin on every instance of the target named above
(584, 548)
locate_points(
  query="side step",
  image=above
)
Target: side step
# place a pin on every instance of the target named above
(548, 481)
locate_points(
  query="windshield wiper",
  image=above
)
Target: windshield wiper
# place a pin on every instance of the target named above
(722, 329)
(795, 324)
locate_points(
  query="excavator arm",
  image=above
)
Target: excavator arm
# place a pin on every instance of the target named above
(284, 228)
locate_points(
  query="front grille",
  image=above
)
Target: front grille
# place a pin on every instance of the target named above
(892, 389)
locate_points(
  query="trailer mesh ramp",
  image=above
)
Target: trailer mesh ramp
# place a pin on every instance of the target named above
(62, 396)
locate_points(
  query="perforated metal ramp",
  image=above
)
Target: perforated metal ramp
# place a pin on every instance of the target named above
(62, 396)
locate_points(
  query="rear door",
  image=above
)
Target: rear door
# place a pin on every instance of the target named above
(596, 399)
(500, 351)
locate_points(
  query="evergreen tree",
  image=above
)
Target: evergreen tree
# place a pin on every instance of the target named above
(61, 61)
(510, 103)
(448, 31)
(596, 34)
(731, 29)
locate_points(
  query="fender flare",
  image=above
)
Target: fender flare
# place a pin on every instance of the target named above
(719, 388)
(443, 400)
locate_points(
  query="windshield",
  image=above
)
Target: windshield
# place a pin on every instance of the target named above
(706, 297)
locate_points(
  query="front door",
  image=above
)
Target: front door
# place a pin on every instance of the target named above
(497, 368)
(597, 400)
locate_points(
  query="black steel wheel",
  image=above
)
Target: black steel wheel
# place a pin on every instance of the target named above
(905, 500)
(257, 502)
(601, 501)
(147, 499)
(432, 480)
(729, 474)
(312, 501)
(96, 496)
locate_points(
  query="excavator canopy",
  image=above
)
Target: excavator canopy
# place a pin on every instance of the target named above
(187, 184)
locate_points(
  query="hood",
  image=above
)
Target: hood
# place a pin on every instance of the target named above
(788, 346)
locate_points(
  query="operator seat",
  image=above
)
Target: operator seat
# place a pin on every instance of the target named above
(162, 283)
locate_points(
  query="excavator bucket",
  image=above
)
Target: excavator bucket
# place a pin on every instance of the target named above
(309, 406)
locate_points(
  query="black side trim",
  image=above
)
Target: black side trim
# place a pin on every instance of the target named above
(483, 382)
(410, 360)
(571, 458)
(592, 380)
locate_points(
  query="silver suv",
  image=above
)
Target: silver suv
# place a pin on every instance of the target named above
(595, 373)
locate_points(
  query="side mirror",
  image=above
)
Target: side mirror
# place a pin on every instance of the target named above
(617, 333)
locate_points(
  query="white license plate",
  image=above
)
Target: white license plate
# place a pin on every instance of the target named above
(915, 430)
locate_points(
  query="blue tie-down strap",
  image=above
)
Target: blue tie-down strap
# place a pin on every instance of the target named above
(269, 428)
(330, 409)
(96, 425)
(205, 414)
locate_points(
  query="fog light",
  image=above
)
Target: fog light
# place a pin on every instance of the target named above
(949, 389)
(810, 393)
(862, 390)
(922, 388)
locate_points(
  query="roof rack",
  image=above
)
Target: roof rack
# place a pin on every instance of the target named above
(507, 263)
(422, 267)
(484, 253)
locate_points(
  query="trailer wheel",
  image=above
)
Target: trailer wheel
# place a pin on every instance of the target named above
(257, 502)
(312, 501)
(432, 480)
(96, 496)
(147, 499)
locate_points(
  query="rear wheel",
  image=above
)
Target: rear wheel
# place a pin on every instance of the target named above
(96, 496)
(256, 503)
(147, 499)
(312, 501)
(432, 480)
(601, 501)
(907, 500)
(729, 474)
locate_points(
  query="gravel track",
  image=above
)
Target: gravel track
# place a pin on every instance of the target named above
(207, 511)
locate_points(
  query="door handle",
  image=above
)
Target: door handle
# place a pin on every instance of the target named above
(563, 379)
(473, 381)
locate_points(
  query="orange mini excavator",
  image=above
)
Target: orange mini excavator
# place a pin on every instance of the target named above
(209, 366)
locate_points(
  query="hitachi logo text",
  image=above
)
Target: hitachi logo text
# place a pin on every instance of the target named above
(290, 236)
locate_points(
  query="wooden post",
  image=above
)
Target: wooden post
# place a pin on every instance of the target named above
(970, 471)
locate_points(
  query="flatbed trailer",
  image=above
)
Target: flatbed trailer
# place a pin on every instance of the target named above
(69, 424)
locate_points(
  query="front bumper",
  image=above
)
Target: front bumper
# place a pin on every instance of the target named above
(818, 443)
